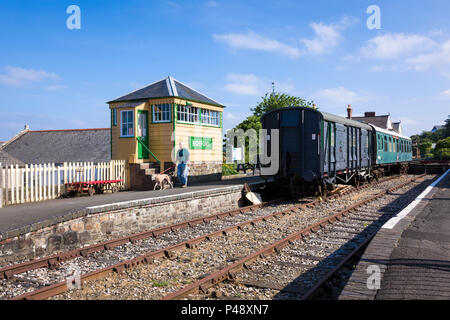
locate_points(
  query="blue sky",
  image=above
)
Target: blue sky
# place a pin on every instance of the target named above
(55, 78)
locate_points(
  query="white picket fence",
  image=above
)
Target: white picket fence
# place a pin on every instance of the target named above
(31, 183)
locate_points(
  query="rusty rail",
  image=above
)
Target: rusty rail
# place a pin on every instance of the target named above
(51, 261)
(58, 288)
(229, 271)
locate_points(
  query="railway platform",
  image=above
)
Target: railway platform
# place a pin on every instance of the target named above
(409, 258)
(62, 224)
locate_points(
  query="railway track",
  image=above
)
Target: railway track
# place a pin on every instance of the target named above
(304, 264)
(46, 277)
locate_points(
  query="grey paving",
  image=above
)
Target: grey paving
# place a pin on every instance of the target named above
(24, 215)
(414, 256)
(419, 267)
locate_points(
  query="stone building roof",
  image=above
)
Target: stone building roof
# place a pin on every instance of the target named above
(167, 87)
(58, 146)
(383, 121)
(6, 159)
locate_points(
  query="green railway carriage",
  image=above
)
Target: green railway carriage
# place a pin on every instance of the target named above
(391, 147)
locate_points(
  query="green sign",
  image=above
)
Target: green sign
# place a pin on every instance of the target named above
(201, 143)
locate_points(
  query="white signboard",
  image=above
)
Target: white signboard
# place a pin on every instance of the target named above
(237, 154)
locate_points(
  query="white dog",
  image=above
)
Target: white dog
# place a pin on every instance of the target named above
(161, 180)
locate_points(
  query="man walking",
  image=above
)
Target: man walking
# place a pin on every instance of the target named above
(182, 162)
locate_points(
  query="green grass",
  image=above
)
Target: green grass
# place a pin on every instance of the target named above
(157, 283)
(228, 169)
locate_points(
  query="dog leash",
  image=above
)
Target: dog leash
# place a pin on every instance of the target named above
(168, 169)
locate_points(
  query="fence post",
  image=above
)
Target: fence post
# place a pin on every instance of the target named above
(32, 183)
(16, 182)
(53, 180)
(2, 185)
(13, 183)
(7, 185)
(58, 180)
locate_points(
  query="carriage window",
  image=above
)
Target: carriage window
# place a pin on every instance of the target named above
(385, 144)
(390, 144)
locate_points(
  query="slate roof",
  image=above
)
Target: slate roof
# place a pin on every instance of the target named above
(167, 87)
(58, 146)
(6, 159)
(396, 126)
(379, 121)
(436, 128)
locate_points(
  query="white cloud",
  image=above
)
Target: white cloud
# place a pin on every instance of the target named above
(377, 68)
(245, 84)
(339, 97)
(252, 85)
(395, 45)
(439, 59)
(445, 94)
(327, 37)
(231, 116)
(16, 76)
(253, 41)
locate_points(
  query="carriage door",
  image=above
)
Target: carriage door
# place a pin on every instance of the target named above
(332, 135)
(329, 152)
(358, 148)
(341, 146)
(326, 146)
(364, 149)
(351, 148)
(143, 134)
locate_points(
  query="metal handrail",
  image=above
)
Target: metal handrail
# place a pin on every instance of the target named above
(139, 139)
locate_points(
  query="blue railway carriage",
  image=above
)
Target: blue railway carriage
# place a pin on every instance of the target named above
(392, 152)
(318, 149)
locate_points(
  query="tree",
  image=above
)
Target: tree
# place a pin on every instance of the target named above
(276, 100)
(425, 149)
(442, 149)
(447, 127)
(252, 122)
(270, 101)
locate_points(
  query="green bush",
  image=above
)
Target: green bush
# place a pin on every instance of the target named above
(228, 169)
(442, 149)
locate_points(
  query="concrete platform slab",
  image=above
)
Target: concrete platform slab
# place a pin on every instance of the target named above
(412, 251)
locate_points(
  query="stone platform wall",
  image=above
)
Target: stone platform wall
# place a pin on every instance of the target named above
(96, 224)
(205, 171)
